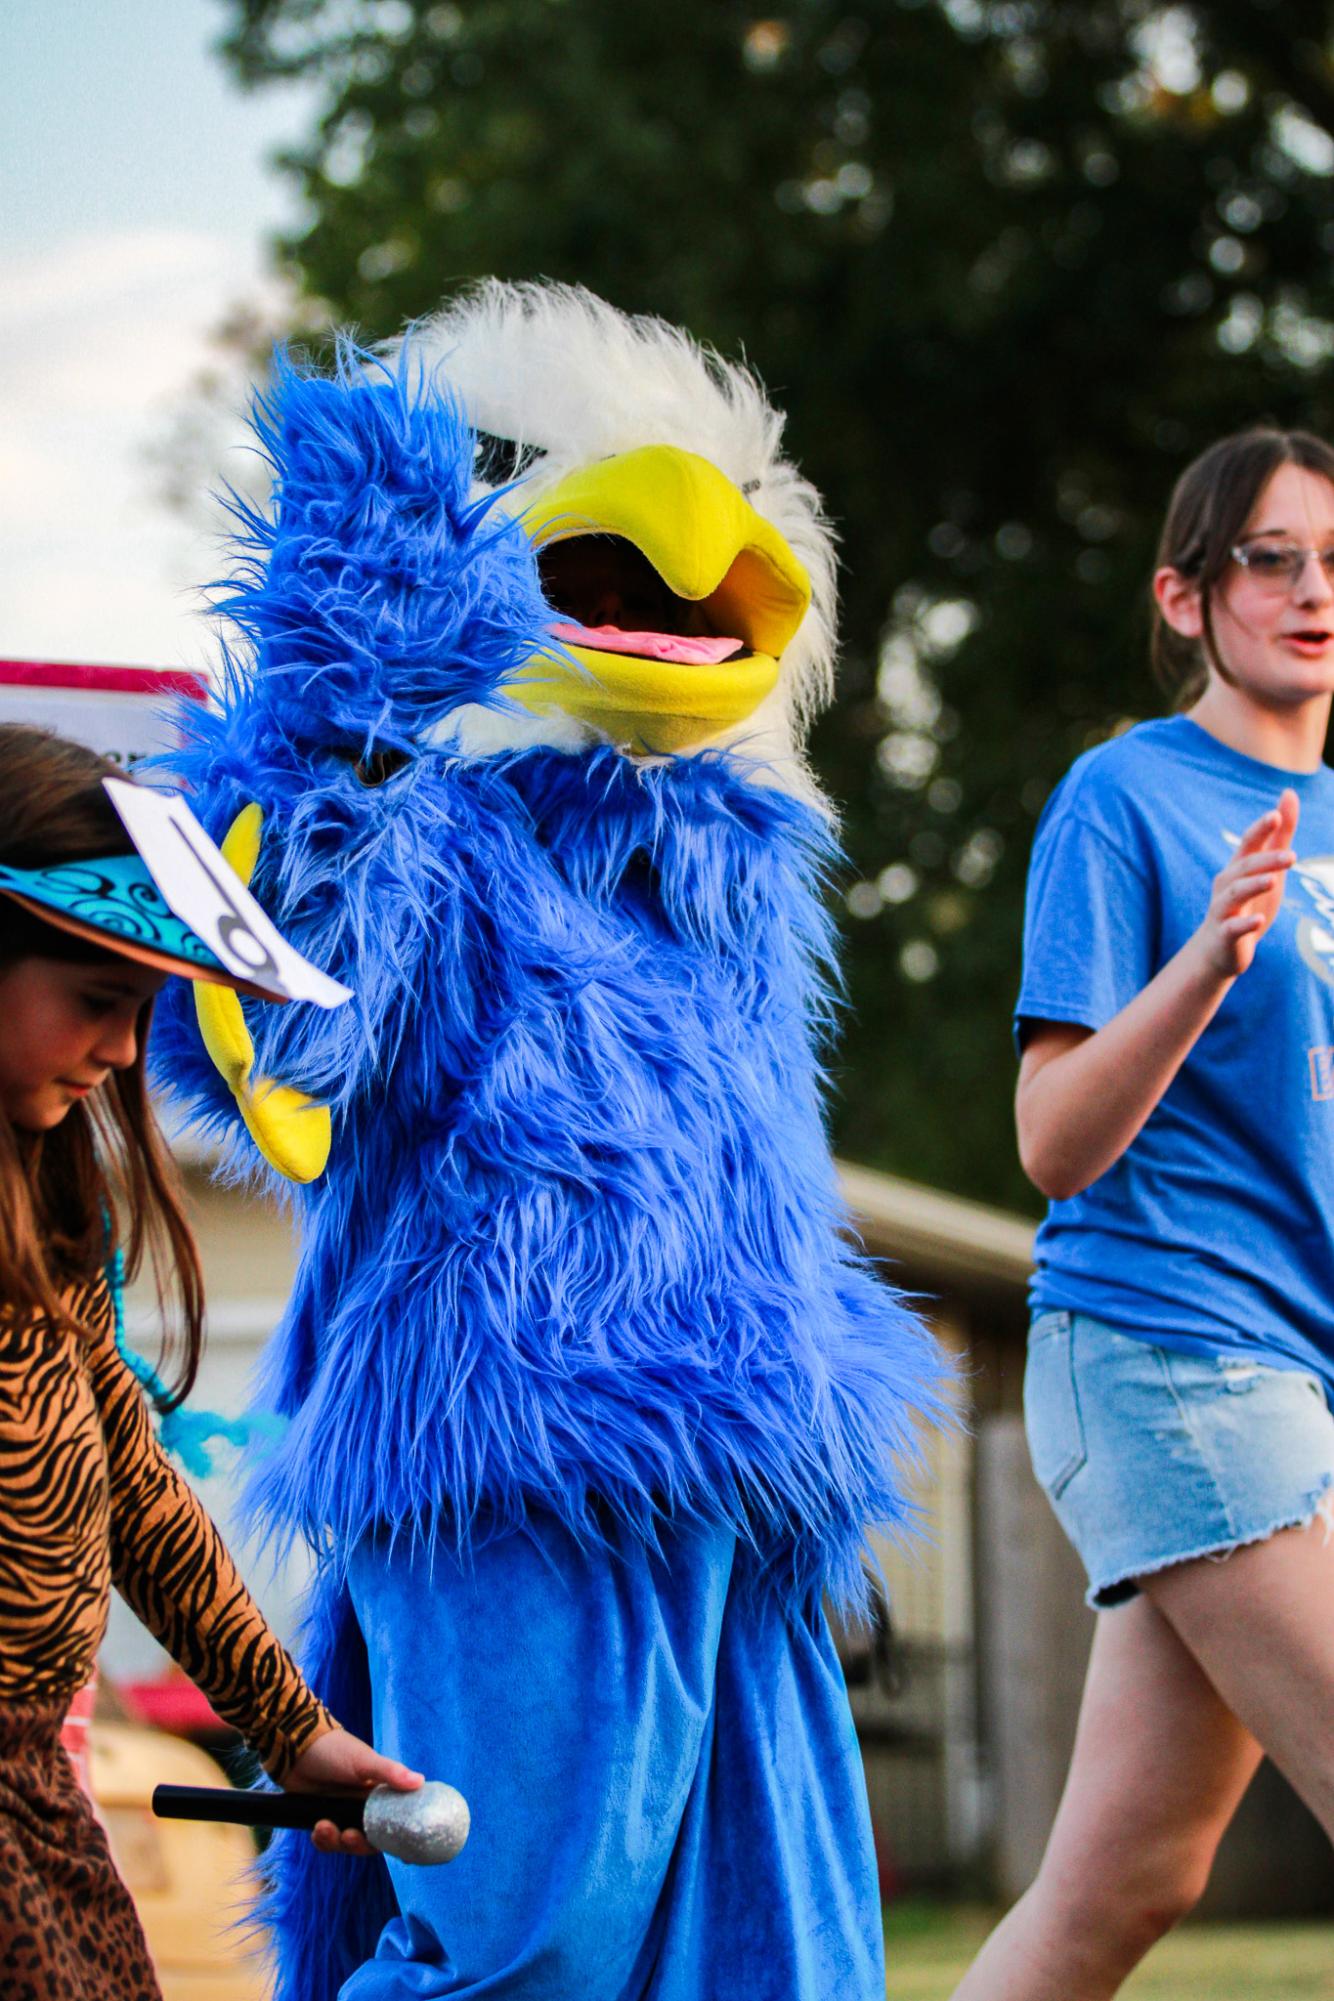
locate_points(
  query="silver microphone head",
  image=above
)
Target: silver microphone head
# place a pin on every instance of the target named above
(429, 1825)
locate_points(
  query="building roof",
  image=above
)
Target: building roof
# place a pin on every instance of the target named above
(941, 1236)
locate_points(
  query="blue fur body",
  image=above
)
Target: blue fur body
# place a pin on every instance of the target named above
(579, 1247)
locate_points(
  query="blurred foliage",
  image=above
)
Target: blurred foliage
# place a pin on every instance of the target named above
(1008, 264)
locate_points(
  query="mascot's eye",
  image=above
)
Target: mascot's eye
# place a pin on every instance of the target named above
(378, 766)
(499, 460)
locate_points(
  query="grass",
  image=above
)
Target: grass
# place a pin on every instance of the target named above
(929, 1945)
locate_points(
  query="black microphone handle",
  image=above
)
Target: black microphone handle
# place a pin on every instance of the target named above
(257, 1809)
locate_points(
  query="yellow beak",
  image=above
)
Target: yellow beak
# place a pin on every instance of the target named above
(710, 547)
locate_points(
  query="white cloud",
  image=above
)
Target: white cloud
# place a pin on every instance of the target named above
(100, 338)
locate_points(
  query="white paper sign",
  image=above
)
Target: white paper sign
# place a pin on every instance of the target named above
(206, 893)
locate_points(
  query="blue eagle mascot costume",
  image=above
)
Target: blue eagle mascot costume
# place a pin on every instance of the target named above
(588, 1396)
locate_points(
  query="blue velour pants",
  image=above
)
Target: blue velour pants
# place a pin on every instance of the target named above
(667, 1797)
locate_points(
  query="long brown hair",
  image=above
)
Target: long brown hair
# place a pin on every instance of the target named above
(103, 1178)
(1210, 506)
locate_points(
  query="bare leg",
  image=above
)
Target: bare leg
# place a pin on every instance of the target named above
(1261, 1625)
(1159, 1766)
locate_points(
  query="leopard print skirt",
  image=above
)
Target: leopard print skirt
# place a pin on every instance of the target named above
(68, 1928)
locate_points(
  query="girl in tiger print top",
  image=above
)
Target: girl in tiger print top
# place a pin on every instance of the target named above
(87, 1498)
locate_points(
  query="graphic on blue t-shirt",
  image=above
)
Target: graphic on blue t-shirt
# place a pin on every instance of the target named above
(1315, 933)
(1313, 877)
(1215, 1229)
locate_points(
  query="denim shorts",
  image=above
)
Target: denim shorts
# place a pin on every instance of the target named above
(1151, 1457)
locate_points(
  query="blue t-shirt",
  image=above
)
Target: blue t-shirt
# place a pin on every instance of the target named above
(1214, 1231)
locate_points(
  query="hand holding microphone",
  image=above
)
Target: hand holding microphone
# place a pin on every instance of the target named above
(337, 1762)
(427, 1823)
(352, 1799)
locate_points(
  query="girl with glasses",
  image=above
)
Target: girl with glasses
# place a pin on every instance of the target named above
(1176, 1105)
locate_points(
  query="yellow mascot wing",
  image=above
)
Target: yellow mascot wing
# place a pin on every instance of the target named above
(291, 1131)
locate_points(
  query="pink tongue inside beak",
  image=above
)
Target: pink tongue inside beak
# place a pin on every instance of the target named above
(670, 646)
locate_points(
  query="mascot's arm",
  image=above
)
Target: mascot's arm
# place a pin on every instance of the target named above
(290, 1130)
(374, 598)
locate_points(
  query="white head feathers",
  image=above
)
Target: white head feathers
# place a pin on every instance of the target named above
(561, 374)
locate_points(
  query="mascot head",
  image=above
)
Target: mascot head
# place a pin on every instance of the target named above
(688, 564)
(538, 526)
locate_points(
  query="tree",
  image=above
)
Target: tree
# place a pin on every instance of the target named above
(1007, 263)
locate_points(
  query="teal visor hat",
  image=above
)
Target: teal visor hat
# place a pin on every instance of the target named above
(175, 903)
(114, 901)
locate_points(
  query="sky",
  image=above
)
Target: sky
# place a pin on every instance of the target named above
(135, 206)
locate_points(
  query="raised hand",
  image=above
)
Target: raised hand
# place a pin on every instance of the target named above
(1247, 893)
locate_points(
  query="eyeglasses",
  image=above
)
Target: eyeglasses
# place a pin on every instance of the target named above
(1278, 566)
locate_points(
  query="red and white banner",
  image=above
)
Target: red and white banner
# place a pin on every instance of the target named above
(123, 712)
